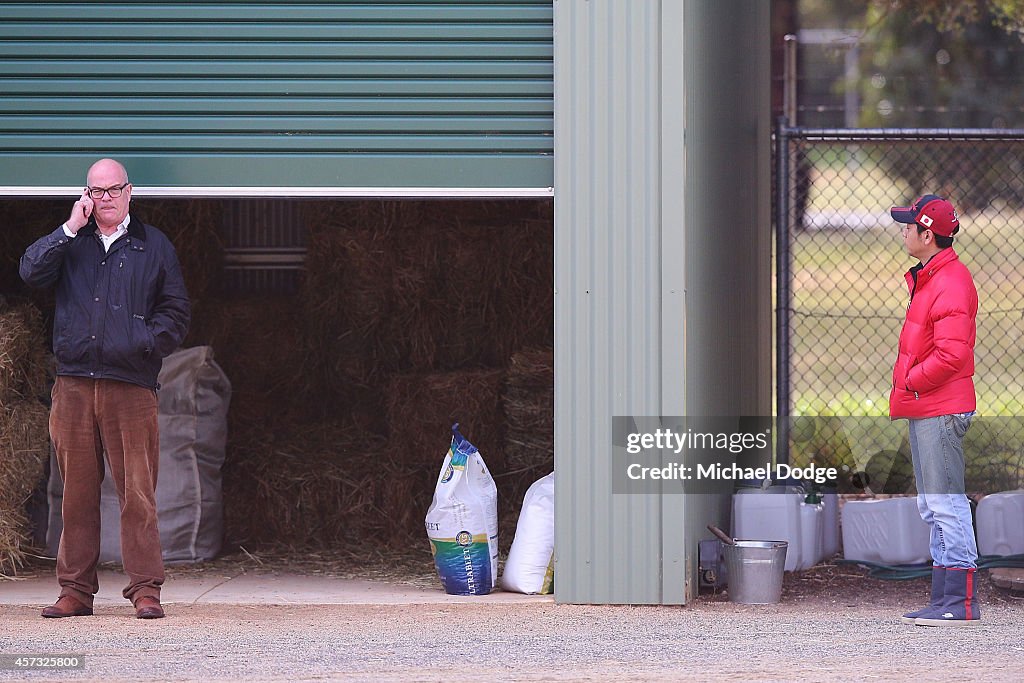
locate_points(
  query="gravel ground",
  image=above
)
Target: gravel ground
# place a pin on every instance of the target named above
(833, 623)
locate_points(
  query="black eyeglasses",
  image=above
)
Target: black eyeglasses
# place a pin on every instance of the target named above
(114, 192)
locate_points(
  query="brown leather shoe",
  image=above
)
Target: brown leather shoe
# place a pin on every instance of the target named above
(148, 607)
(67, 606)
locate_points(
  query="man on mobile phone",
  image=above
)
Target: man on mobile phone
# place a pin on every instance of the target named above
(121, 307)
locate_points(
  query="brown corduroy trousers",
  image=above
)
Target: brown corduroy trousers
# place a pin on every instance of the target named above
(89, 417)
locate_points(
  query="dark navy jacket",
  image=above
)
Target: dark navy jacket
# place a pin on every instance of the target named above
(119, 313)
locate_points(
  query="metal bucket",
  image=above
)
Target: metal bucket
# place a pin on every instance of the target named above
(755, 571)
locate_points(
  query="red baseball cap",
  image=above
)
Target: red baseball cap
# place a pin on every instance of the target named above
(932, 212)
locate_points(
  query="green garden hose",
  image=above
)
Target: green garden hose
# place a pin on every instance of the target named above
(904, 572)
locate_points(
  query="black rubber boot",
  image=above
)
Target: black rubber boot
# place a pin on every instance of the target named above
(959, 606)
(938, 589)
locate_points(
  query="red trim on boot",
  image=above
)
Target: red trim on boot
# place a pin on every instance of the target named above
(970, 593)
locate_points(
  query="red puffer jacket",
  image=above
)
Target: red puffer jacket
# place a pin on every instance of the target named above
(935, 367)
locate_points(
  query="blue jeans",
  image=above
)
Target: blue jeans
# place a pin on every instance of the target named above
(936, 444)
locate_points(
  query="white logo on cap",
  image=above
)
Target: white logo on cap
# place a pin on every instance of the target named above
(926, 221)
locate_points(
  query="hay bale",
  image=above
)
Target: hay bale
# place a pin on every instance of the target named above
(399, 287)
(394, 292)
(375, 300)
(25, 363)
(526, 296)
(529, 401)
(24, 442)
(13, 540)
(421, 409)
(470, 295)
(25, 369)
(257, 346)
(347, 303)
(321, 485)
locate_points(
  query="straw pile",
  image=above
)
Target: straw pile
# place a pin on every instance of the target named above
(408, 316)
(24, 433)
(256, 345)
(323, 485)
(421, 409)
(529, 401)
(25, 365)
(404, 287)
(24, 442)
(526, 305)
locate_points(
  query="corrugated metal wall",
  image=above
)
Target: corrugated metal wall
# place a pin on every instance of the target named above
(264, 245)
(728, 218)
(619, 302)
(229, 93)
(661, 217)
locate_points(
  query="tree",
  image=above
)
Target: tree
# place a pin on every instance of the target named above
(955, 15)
(946, 65)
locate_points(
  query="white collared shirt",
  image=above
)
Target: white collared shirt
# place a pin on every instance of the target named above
(107, 240)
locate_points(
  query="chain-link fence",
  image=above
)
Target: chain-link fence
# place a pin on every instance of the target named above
(841, 295)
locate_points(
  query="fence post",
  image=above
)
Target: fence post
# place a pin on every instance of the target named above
(783, 293)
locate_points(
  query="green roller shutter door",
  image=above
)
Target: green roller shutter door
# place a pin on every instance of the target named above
(343, 94)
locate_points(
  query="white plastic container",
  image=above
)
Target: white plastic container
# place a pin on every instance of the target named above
(776, 514)
(888, 531)
(812, 534)
(830, 540)
(1000, 520)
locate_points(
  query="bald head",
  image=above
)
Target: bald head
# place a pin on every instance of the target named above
(107, 168)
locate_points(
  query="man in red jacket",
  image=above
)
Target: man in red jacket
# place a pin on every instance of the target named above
(933, 387)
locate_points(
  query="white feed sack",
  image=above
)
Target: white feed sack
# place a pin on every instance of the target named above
(462, 521)
(530, 564)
